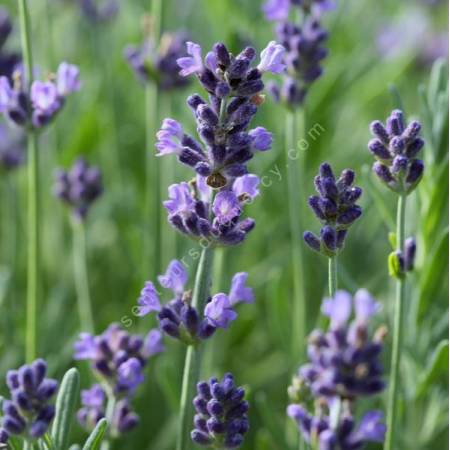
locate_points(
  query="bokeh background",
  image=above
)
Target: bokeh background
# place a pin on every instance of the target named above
(381, 57)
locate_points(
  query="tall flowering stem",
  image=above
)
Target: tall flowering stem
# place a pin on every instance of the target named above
(33, 195)
(395, 147)
(192, 363)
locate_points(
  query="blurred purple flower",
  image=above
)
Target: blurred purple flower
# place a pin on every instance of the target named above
(239, 292)
(219, 311)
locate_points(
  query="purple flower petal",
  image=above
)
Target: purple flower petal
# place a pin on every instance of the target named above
(148, 300)
(239, 292)
(272, 58)
(276, 9)
(67, 79)
(365, 306)
(85, 347)
(203, 189)
(192, 64)
(94, 397)
(218, 311)
(169, 137)
(7, 94)
(226, 207)
(130, 373)
(371, 428)
(175, 277)
(180, 199)
(338, 309)
(153, 343)
(247, 184)
(262, 139)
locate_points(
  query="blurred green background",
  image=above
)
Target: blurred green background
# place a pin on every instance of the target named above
(381, 56)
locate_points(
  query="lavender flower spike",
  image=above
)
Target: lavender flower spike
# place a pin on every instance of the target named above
(221, 420)
(396, 147)
(28, 412)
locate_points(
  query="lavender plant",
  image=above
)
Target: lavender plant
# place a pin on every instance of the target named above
(210, 210)
(344, 366)
(336, 208)
(396, 147)
(79, 188)
(304, 38)
(221, 414)
(118, 359)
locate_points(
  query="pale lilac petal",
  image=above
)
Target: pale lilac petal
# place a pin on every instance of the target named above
(226, 207)
(276, 9)
(262, 139)
(67, 79)
(239, 292)
(371, 428)
(192, 64)
(180, 199)
(247, 184)
(175, 277)
(365, 306)
(153, 343)
(272, 58)
(148, 300)
(203, 189)
(211, 61)
(338, 309)
(44, 96)
(7, 95)
(85, 347)
(218, 311)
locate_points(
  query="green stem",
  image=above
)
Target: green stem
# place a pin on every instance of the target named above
(152, 206)
(295, 171)
(397, 332)
(332, 275)
(33, 195)
(81, 276)
(193, 359)
(111, 404)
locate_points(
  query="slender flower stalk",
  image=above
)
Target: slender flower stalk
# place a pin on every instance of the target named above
(33, 272)
(81, 276)
(192, 363)
(332, 275)
(395, 147)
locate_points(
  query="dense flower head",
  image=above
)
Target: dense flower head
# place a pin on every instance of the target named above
(346, 435)
(234, 90)
(28, 412)
(396, 147)
(344, 366)
(159, 64)
(221, 414)
(79, 187)
(46, 98)
(12, 151)
(335, 207)
(99, 11)
(193, 209)
(8, 60)
(180, 319)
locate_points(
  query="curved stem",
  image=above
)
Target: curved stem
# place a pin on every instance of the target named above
(81, 276)
(397, 333)
(33, 195)
(332, 275)
(295, 171)
(193, 359)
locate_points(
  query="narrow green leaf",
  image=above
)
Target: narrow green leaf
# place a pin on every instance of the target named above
(95, 438)
(65, 407)
(437, 369)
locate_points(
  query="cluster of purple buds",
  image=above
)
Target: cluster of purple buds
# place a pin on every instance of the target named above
(159, 65)
(28, 413)
(336, 209)
(194, 210)
(94, 401)
(119, 359)
(344, 365)
(99, 11)
(396, 147)
(12, 152)
(304, 46)
(79, 187)
(182, 321)
(221, 414)
(234, 89)
(345, 435)
(45, 100)
(8, 60)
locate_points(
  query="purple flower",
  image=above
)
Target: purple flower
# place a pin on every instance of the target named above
(79, 187)
(130, 374)
(169, 138)
(153, 343)
(12, 151)
(338, 309)
(277, 9)
(371, 428)
(262, 139)
(181, 200)
(192, 64)
(219, 311)
(272, 58)
(95, 396)
(221, 414)
(85, 347)
(175, 277)
(239, 292)
(67, 79)
(148, 301)
(246, 185)
(44, 96)
(7, 95)
(29, 411)
(226, 207)
(365, 306)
